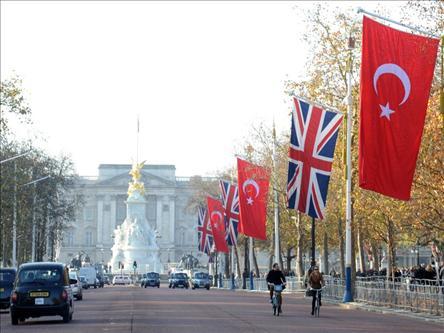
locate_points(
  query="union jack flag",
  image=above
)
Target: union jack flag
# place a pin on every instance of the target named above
(230, 201)
(313, 139)
(204, 233)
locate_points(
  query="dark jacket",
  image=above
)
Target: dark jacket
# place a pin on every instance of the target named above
(316, 280)
(275, 277)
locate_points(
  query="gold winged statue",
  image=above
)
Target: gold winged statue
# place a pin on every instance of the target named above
(136, 184)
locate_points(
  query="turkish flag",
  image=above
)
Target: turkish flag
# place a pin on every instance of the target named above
(396, 74)
(216, 216)
(253, 185)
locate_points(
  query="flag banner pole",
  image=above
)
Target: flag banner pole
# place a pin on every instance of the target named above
(348, 297)
(313, 243)
(441, 93)
(360, 10)
(277, 250)
(250, 252)
(324, 106)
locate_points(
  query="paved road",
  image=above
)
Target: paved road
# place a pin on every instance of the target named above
(137, 310)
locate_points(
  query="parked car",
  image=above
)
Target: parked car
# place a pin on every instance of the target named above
(106, 280)
(76, 287)
(7, 277)
(42, 289)
(121, 279)
(152, 279)
(179, 280)
(84, 283)
(200, 280)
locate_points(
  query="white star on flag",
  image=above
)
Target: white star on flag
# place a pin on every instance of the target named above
(386, 111)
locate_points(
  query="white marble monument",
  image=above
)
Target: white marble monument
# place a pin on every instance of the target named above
(134, 239)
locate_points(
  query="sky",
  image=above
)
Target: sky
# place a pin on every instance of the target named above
(198, 75)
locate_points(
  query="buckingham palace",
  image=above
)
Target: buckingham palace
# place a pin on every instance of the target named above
(103, 208)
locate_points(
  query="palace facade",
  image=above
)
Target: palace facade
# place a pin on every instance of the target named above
(104, 208)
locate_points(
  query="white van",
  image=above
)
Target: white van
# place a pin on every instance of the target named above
(90, 275)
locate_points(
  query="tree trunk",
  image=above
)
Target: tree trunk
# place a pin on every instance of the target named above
(238, 270)
(246, 261)
(361, 248)
(270, 261)
(256, 267)
(227, 265)
(289, 259)
(4, 245)
(299, 265)
(376, 256)
(341, 248)
(325, 254)
(390, 251)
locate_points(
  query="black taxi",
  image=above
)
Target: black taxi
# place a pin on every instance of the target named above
(7, 277)
(42, 289)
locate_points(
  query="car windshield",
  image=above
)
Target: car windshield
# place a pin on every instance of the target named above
(73, 275)
(181, 276)
(153, 275)
(201, 276)
(7, 277)
(40, 276)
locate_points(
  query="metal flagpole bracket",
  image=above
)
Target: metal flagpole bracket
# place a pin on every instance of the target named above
(360, 10)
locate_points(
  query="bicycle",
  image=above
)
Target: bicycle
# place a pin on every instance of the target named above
(317, 301)
(277, 299)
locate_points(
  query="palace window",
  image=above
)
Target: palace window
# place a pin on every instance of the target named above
(89, 213)
(69, 240)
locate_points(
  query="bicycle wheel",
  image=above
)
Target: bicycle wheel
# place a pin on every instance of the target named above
(279, 305)
(317, 307)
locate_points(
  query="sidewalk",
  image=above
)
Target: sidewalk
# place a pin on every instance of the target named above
(387, 310)
(359, 306)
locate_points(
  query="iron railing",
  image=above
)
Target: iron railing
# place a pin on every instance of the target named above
(423, 296)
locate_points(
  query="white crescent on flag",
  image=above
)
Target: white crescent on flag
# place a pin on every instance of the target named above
(401, 75)
(219, 214)
(253, 183)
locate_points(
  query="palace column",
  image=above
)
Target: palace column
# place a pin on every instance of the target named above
(172, 218)
(99, 220)
(158, 214)
(113, 222)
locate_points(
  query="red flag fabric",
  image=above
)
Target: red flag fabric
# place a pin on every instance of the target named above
(396, 74)
(253, 183)
(216, 216)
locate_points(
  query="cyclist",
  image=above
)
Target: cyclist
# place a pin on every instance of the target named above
(316, 281)
(275, 276)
